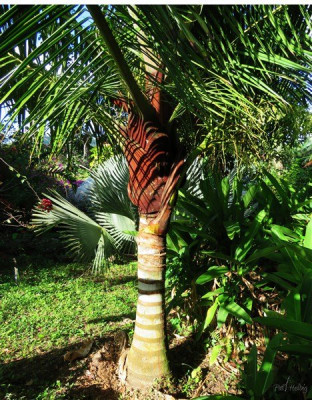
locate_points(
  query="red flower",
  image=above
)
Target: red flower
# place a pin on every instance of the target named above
(46, 205)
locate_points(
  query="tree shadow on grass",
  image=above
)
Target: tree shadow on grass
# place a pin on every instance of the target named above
(27, 378)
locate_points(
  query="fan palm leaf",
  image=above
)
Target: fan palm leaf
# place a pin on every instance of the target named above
(113, 228)
(80, 233)
(121, 229)
(109, 191)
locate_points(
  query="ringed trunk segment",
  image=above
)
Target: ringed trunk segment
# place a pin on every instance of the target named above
(147, 358)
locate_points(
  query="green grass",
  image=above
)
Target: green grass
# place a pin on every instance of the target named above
(54, 307)
(60, 304)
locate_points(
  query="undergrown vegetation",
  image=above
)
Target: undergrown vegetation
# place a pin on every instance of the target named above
(247, 272)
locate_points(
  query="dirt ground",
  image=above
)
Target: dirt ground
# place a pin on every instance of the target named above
(95, 376)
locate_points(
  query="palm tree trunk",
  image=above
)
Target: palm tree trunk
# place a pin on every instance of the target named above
(147, 359)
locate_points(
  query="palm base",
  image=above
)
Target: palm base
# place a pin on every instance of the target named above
(147, 359)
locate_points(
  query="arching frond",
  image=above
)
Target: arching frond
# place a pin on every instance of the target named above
(218, 61)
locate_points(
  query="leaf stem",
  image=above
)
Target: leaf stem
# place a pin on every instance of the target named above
(145, 108)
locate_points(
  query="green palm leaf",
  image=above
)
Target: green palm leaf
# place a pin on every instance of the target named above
(80, 233)
(223, 63)
(122, 229)
(109, 191)
(114, 227)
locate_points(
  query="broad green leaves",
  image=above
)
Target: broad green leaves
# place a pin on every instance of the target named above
(259, 380)
(238, 312)
(212, 273)
(210, 314)
(236, 225)
(246, 243)
(308, 236)
(300, 329)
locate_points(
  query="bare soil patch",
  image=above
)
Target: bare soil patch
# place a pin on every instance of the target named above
(95, 376)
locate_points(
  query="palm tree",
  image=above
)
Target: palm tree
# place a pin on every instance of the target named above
(167, 79)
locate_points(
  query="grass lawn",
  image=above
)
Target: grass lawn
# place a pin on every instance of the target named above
(53, 308)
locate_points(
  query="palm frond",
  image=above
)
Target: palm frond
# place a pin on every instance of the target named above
(63, 73)
(114, 227)
(109, 191)
(194, 175)
(80, 233)
(216, 44)
(220, 62)
(122, 229)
